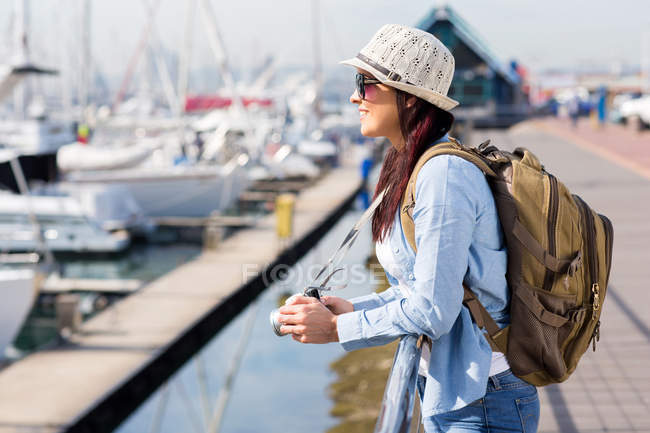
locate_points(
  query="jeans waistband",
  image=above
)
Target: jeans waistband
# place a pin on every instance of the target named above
(497, 379)
(501, 374)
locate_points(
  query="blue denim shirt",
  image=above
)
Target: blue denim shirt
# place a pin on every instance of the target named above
(459, 239)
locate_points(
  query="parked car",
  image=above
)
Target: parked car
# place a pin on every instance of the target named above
(636, 113)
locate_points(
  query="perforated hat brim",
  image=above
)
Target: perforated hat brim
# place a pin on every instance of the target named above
(435, 98)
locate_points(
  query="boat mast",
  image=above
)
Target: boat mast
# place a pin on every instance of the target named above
(85, 67)
(184, 69)
(21, 50)
(24, 190)
(65, 48)
(135, 57)
(156, 50)
(20, 53)
(219, 49)
(185, 56)
(318, 75)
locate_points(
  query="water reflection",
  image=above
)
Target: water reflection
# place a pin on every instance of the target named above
(361, 377)
(281, 386)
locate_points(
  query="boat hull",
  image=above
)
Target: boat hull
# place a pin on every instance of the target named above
(181, 192)
(18, 294)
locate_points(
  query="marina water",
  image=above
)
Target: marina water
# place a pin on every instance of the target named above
(281, 385)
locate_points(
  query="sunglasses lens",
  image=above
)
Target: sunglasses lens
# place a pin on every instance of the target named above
(360, 86)
(369, 92)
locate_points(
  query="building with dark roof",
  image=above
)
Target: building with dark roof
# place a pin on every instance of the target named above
(490, 93)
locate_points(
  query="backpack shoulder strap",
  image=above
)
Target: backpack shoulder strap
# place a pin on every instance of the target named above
(498, 338)
(408, 200)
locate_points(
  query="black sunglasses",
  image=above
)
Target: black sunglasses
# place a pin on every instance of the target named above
(362, 81)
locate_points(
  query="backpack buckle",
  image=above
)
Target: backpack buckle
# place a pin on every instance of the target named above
(484, 145)
(575, 264)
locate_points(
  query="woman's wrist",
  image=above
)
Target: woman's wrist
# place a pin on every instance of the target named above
(335, 331)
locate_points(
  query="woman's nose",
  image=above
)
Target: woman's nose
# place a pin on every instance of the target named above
(354, 97)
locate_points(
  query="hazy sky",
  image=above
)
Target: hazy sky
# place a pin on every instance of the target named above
(540, 34)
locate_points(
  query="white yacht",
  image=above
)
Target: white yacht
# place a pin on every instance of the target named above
(35, 136)
(83, 157)
(176, 191)
(112, 207)
(18, 293)
(172, 180)
(63, 224)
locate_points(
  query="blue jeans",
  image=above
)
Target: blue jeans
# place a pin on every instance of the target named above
(509, 405)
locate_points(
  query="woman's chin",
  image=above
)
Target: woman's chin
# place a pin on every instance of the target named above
(368, 131)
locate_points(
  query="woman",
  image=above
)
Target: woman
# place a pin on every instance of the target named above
(402, 82)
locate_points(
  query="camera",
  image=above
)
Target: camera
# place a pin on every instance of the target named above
(275, 314)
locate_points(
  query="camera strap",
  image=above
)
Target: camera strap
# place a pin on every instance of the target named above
(347, 242)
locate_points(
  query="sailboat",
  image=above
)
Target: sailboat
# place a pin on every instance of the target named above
(168, 181)
(181, 190)
(30, 131)
(18, 293)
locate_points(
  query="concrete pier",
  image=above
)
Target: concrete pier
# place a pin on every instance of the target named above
(119, 357)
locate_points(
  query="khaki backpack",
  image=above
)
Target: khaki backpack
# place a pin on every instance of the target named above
(559, 259)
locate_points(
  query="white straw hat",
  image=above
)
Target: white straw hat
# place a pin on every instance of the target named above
(411, 60)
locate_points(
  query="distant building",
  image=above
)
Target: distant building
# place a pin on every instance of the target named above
(490, 93)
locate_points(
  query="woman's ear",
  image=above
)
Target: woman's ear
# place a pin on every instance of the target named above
(410, 101)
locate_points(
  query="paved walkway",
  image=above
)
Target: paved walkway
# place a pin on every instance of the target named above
(616, 143)
(610, 169)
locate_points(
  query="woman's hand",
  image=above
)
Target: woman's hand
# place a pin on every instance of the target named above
(337, 305)
(308, 320)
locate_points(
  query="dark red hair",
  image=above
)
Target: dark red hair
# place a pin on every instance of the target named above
(421, 124)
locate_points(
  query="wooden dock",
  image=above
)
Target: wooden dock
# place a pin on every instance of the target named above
(55, 284)
(123, 354)
(216, 220)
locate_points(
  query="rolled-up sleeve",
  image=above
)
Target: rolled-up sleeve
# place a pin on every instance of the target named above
(445, 216)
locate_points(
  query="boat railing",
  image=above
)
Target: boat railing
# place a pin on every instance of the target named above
(399, 395)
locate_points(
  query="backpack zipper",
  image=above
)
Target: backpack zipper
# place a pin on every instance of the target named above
(591, 259)
(553, 206)
(595, 337)
(609, 242)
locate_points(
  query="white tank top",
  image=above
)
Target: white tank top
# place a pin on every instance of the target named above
(387, 260)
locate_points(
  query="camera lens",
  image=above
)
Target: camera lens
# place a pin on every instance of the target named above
(275, 324)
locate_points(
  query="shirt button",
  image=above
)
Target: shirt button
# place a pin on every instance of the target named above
(396, 250)
(410, 276)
